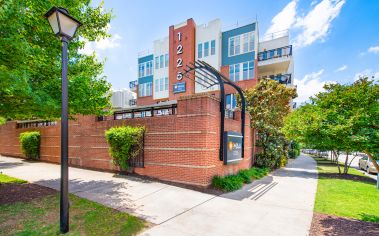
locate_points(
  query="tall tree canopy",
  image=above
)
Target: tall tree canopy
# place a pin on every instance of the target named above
(344, 117)
(268, 103)
(30, 61)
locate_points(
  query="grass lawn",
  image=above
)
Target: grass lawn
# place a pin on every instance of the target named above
(353, 195)
(5, 179)
(41, 217)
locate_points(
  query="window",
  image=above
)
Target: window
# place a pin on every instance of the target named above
(245, 69)
(200, 50)
(237, 45)
(231, 72)
(231, 46)
(206, 49)
(245, 47)
(166, 60)
(139, 70)
(156, 62)
(161, 84)
(251, 41)
(145, 89)
(251, 69)
(237, 72)
(231, 101)
(213, 47)
(166, 83)
(161, 60)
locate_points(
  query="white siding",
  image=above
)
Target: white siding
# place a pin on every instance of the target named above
(161, 47)
(120, 98)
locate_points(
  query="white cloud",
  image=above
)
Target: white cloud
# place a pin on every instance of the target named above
(317, 23)
(102, 44)
(284, 19)
(311, 27)
(366, 73)
(342, 68)
(374, 49)
(310, 85)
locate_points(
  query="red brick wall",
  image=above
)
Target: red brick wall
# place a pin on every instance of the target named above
(181, 148)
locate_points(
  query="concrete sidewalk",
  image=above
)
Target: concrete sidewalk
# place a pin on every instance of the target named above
(279, 204)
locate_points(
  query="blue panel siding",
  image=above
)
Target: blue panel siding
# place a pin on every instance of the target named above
(226, 60)
(146, 79)
(145, 58)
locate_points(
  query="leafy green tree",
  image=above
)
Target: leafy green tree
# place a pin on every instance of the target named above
(30, 61)
(343, 118)
(268, 103)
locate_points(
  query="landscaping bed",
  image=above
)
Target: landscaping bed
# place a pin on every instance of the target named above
(29, 209)
(346, 204)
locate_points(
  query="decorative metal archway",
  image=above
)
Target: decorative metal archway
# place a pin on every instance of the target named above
(207, 76)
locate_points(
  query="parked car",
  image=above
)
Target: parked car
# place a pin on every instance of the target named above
(366, 164)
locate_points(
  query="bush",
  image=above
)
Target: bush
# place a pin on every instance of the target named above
(30, 142)
(234, 182)
(283, 161)
(125, 142)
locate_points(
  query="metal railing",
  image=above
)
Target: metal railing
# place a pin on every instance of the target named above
(275, 53)
(138, 161)
(275, 35)
(133, 84)
(132, 102)
(281, 78)
(229, 114)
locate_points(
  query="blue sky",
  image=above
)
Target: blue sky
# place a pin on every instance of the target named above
(334, 40)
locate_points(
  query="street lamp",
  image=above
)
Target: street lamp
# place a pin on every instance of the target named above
(65, 27)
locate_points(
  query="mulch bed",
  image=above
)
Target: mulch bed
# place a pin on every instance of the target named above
(13, 193)
(330, 225)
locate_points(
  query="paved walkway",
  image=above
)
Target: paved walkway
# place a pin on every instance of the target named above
(279, 204)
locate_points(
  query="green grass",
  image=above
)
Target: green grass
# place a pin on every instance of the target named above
(234, 182)
(354, 196)
(5, 179)
(41, 217)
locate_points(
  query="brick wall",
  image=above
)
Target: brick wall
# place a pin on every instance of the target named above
(181, 148)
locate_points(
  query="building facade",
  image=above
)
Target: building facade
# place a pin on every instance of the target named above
(123, 98)
(237, 52)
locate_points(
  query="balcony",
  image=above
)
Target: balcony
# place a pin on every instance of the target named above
(277, 59)
(133, 85)
(281, 78)
(132, 102)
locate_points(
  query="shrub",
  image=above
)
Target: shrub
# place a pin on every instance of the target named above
(30, 142)
(234, 182)
(283, 161)
(125, 142)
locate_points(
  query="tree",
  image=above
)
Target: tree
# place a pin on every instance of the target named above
(268, 103)
(30, 61)
(343, 118)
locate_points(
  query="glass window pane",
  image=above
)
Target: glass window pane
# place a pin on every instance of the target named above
(228, 102)
(166, 83)
(213, 47)
(251, 41)
(231, 72)
(200, 50)
(166, 60)
(156, 62)
(237, 72)
(245, 70)
(206, 49)
(237, 47)
(245, 43)
(251, 69)
(161, 61)
(143, 70)
(231, 46)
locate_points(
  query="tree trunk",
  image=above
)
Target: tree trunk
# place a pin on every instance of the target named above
(345, 169)
(376, 167)
(338, 165)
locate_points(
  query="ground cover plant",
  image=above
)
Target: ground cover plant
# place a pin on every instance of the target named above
(234, 182)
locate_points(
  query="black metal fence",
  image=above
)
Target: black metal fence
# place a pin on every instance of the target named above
(138, 161)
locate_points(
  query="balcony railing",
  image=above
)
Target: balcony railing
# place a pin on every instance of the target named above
(281, 78)
(275, 53)
(133, 84)
(229, 114)
(132, 102)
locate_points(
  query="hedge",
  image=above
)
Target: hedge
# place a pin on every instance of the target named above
(125, 142)
(30, 144)
(234, 182)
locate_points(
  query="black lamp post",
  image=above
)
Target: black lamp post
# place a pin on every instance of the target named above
(65, 27)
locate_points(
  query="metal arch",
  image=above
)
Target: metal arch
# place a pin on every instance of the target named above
(211, 74)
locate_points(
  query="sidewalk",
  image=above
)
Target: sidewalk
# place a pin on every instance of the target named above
(279, 204)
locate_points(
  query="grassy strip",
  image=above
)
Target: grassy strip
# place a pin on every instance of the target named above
(353, 195)
(41, 217)
(5, 179)
(234, 182)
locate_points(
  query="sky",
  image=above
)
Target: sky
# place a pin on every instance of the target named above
(333, 40)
